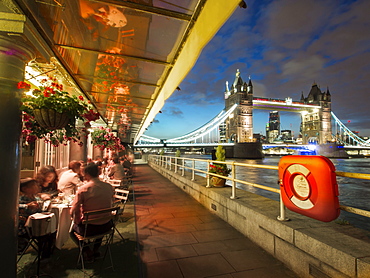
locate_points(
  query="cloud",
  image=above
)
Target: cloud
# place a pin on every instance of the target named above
(173, 112)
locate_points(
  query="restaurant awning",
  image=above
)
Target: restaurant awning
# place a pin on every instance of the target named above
(126, 57)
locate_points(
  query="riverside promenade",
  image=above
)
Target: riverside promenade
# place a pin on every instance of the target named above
(167, 234)
(178, 237)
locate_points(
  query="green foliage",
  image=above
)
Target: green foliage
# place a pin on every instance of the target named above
(161, 152)
(218, 168)
(220, 153)
(178, 153)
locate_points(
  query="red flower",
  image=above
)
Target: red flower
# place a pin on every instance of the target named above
(81, 98)
(23, 85)
(46, 93)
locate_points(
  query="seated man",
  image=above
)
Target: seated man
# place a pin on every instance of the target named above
(117, 171)
(127, 166)
(70, 179)
(93, 195)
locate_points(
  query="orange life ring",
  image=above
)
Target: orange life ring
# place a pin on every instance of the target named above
(308, 186)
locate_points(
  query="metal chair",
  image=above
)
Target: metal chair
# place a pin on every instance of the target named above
(31, 242)
(115, 183)
(93, 217)
(39, 227)
(121, 197)
(127, 179)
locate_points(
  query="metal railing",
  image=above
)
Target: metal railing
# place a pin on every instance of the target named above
(178, 163)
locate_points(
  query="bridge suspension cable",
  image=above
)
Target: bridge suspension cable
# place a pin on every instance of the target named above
(345, 136)
(205, 129)
(202, 131)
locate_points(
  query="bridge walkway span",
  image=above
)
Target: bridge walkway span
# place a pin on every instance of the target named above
(181, 238)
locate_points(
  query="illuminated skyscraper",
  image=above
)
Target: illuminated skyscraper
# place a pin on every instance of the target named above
(273, 126)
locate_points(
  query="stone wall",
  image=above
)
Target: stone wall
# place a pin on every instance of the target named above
(308, 247)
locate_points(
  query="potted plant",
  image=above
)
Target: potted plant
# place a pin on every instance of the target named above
(50, 113)
(103, 138)
(219, 168)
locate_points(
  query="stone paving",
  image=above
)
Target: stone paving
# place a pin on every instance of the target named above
(178, 237)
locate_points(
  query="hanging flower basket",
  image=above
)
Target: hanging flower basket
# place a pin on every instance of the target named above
(103, 138)
(50, 119)
(50, 113)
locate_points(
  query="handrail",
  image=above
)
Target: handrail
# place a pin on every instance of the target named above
(166, 161)
(353, 175)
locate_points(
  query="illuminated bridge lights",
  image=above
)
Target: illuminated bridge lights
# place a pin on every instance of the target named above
(344, 136)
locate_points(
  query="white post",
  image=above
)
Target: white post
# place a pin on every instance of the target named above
(233, 188)
(193, 171)
(207, 176)
(282, 217)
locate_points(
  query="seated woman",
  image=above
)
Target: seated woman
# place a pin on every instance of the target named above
(29, 203)
(47, 179)
(70, 179)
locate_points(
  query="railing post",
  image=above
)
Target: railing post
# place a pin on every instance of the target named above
(175, 164)
(183, 168)
(207, 176)
(193, 170)
(233, 183)
(282, 217)
(170, 165)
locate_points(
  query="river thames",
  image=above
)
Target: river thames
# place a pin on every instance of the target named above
(352, 192)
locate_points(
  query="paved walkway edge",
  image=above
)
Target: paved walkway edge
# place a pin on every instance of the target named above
(308, 247)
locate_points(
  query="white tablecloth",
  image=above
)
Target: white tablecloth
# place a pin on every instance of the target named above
(42, 223)
(64, 223)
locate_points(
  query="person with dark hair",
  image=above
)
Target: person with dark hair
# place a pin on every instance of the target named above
(30, 203)
(47, 179)
(93, 195)
(117, 171)
(70, 179)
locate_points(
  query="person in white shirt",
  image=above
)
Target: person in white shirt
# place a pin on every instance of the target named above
(93, 195)
(70, 179)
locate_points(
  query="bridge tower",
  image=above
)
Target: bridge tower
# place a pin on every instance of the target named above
(239, 126)
(316, 123)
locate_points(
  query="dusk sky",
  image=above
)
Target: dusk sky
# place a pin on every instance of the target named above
(285, 46)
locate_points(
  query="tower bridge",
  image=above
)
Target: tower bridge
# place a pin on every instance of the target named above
(233, 126)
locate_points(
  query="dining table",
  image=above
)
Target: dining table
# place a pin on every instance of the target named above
(61, 208)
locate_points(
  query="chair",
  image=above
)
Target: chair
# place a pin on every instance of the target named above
(39, 227)
(31, 242)
(115, 183)
(127, 179)
(121, 197)
(93, 217)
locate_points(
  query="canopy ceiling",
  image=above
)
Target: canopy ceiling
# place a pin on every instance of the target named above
(127, 57)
